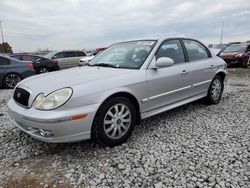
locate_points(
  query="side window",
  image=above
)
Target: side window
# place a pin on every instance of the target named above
(17, 57)
(195, 50)
(28, 58)
(58, 55)
(80, 54)
(36, 58)
(171, 49)
(69, 54)
(4, 61)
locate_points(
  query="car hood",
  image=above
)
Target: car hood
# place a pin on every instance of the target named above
(229, 54)
(49, 82)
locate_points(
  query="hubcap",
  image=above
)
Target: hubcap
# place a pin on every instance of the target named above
(43, 70)
(117, 121)
(216, 89)
(12, 80)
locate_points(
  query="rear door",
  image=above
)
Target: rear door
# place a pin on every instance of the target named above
(70, 59)
(200, 67)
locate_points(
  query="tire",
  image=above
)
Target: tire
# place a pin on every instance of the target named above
(215, 90)
(111, 128)
(245, 64)
(11, 80)
(42, 70)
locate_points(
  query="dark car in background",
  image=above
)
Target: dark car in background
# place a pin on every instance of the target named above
(40, 64)
(235, 54)
(246, 62)
(12, 71)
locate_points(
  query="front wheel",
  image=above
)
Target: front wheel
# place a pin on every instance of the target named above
(114, 121)
(215, 90)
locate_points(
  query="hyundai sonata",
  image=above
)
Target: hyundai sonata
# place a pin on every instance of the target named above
(128, 82)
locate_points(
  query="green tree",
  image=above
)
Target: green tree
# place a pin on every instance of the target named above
(5, 48)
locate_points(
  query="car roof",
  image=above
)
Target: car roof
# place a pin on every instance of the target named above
(71, 51)
(9, 57)
(24, 54)
(158, 39)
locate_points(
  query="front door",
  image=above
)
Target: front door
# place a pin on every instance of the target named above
(167, 85)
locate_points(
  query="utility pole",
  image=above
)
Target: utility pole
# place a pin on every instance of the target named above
(1, 31)
(221, 36)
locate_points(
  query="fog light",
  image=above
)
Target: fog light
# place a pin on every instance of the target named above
(45, 133)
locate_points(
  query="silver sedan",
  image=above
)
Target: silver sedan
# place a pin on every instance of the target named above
(107, 97)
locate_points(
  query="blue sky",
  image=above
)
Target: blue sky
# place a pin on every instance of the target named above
(79, 24)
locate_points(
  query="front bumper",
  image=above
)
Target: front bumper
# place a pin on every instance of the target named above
(233, 61)
(57, 122)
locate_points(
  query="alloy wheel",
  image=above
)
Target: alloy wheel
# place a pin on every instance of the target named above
(216, 89)
(117, 121)
(11, 80)
(43, 70)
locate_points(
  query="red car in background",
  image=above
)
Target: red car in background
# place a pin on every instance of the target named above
(235, 54)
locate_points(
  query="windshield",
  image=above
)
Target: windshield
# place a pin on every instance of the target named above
(50, 55)
(129, 55)
(236, 48)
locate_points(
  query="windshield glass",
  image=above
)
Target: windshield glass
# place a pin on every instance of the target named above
(129, 55)
(50, 55)
(236, 48)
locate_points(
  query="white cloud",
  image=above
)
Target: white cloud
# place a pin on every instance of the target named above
(71, 24)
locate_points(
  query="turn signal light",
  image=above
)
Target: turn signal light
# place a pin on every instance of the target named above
(55, 61)
(81, 116)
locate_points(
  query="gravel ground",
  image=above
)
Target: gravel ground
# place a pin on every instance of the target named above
(191, 146)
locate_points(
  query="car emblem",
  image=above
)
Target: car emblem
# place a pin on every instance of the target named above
(18, 95)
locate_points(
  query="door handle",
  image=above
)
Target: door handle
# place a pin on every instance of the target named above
(184, 72)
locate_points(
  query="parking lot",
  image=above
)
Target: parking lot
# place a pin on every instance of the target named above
(192, 146)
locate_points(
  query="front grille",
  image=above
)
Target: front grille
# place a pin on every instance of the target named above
(21, 96)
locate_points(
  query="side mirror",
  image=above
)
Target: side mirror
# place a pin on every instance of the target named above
(164, 62)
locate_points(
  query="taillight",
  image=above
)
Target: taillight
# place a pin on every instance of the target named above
(55, 61)
(30, 65)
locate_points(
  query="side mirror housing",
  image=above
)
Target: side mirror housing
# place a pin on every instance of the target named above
(163, 62)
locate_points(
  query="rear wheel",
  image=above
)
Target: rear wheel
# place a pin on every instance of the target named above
(114, 121)
(43, 70)
(215, 90)
(11, 80)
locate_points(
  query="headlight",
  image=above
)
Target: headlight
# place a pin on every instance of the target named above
(53, 100)
(239, 55)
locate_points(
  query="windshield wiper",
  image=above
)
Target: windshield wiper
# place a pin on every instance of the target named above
(105, 65)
